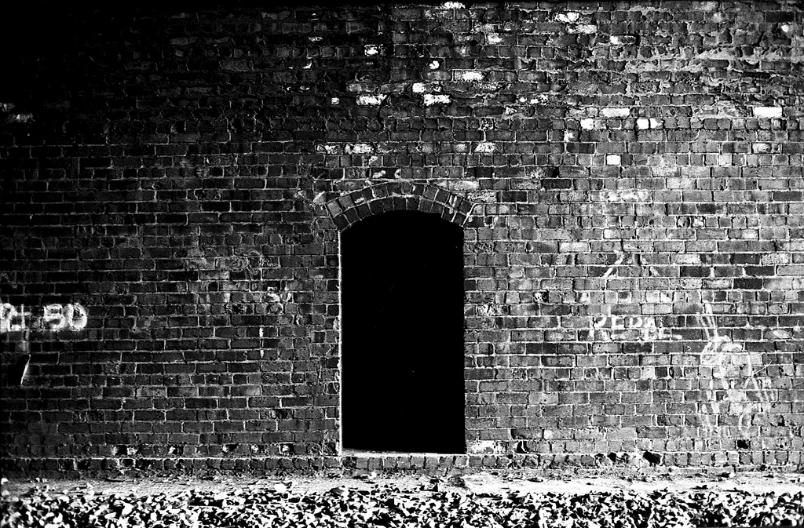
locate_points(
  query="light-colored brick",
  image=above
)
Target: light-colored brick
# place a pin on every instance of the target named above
(767, 112)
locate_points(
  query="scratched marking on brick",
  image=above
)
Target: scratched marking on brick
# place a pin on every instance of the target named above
(733, 375)
(613, 327)
(54, 318)
(624, 327)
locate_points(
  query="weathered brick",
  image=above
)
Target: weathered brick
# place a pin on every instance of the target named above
(633, 256)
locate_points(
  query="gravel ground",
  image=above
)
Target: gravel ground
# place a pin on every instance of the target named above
(406, 500)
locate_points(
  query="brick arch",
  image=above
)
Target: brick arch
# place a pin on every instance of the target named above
(399, 196)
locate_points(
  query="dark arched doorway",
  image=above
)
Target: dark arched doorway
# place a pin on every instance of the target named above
(402, 348)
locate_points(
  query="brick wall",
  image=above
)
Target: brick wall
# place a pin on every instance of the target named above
(628, 177)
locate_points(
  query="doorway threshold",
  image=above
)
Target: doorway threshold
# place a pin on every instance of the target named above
(398, 460)
(368, 453)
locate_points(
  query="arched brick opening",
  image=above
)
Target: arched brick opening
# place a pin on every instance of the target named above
(402, 289)
(398, 196)
(402, 340)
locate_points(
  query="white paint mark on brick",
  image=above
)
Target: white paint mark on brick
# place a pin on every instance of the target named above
(625, 195)
(622, 40)
(570, 17)
(328, 149)
(484, 447)
(613, 159)
(785, 28)
(728, 360)
(452, 5)
(359, 148)
(689, 259)
(483, 196)
(431, 99)
(535, 99)
(536, 173)
(761, 148)
(273, 297)
(570, 135)
(55, 318)
(643, 123)
(656, 123)
(612, 327)
(371, 49)
(418, 87)
(588, 123)
(628, 327)
(434, 65)
(181, 41)
(706, 6)
(779, 333)
(468, 75)
(68, 317)
(379, 174)
(315, 39)
(12, 320)
(485, 146)
(586, 29)
(459, 185)
(357, 87)
(493, 38)
(335, 101)
(768, 112)
(775, 258)
(371, 100)
(21, 118)
(616, 112)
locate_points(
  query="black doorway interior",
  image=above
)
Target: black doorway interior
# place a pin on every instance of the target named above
(402, 350)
